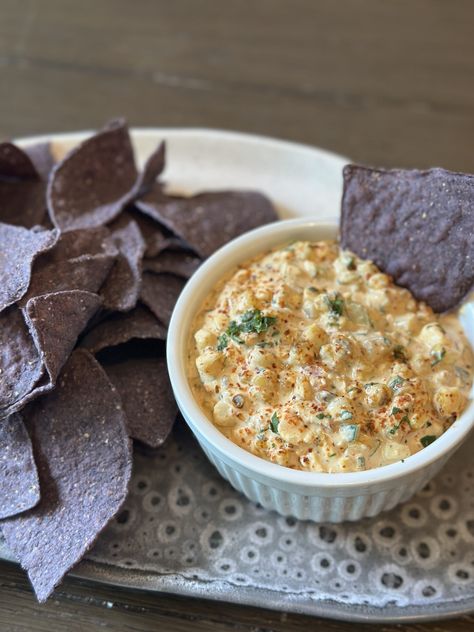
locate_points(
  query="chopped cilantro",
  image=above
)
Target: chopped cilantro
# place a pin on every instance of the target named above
(399, 353)
(437, 356)
(396, 383)
(222, 342)
(311, 288)
(320, 415)
(331, 455)
(252, 322)
(396, 410)
(335, 305)
(274, 423)
(233, 331)
(427, 440)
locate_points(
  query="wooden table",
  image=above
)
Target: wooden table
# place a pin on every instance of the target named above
(387, 83)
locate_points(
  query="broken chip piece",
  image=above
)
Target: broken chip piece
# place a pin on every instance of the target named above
(77, 243)
(19, 247)
(139, 323)
(121, 290)
(159, 293)
(152, 169)
(19, 485)
(86, 273)
(36, 342)
(417, 226)
(84, 458)
(20, 362)
(209, 220)
(181, 263)
(55, 322)
(22, 190)
(145, 390)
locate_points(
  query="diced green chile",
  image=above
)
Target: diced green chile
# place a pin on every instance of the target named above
(274, 423)
(350, 431)
(427, 440)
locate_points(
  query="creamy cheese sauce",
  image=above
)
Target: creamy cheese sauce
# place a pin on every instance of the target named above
(312, 358)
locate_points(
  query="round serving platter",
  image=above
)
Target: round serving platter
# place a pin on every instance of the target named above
(184, 530)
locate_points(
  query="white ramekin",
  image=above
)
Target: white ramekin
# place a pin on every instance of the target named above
(305, 495)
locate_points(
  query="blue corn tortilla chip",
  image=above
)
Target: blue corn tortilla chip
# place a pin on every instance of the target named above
(157, 238)
(159, 293)
(19, 485)
(182, 263)
(76, 243)
(95, 180)
(22, 190)
(35, 344)
(23, 203)
(209, 220)
(118, 329)
(417, 226)
(42, 158)
(55, 322)
(21, 367)
(15, 164)
(121, 290)
(152, 169)
(84, 458)
(86, 273)
(18, 249)
(147, 398)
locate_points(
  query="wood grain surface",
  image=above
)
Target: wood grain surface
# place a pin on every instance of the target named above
(387, 83)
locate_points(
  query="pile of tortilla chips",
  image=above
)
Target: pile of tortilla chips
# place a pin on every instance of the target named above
(93, 255)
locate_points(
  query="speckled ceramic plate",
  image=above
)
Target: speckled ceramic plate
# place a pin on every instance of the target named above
(184, 530)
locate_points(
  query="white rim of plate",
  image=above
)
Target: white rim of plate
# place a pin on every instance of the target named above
(146, 132)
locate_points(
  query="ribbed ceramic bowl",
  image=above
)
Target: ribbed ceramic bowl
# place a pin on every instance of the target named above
(305, 495)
